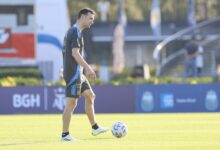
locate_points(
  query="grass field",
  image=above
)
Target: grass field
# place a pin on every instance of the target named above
(181, 131)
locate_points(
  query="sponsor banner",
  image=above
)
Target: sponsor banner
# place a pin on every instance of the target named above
(115, 99)
(55, 99)
(21, 100)
(109, 99)
(178, 98)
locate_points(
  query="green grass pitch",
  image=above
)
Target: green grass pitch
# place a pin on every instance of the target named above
(168, 131)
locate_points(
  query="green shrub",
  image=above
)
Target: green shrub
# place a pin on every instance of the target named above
(28, 81)
(31, 77)
(19, 81)
(200, 80)
(20, 72)
(8, 81)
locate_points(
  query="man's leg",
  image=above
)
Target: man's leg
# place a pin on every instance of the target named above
(89, 105)
(71, 104)
(194, 69)
(187, 68)
(90, 111)
(69, 108)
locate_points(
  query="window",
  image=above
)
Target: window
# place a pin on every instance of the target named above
(22, 16)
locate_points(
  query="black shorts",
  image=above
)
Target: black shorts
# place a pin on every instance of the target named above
(75, 89)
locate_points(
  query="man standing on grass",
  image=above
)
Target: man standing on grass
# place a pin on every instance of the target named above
(76, 82)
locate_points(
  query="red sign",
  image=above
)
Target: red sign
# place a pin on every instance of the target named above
(16, 45)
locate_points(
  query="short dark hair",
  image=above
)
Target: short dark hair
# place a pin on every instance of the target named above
(194, 37)
(85, 11)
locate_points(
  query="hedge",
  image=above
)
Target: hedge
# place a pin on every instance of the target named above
(29, 77)
(20, 72)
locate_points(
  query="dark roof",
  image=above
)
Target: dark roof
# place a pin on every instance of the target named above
(134, 30)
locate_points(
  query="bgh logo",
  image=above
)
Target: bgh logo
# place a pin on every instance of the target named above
(26, 100)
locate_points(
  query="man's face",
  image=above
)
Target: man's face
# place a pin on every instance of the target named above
(88, 20)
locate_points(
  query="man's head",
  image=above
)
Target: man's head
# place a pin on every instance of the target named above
(195, 38)
(86, 17)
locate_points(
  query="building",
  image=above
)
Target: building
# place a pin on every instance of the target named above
(139, 42)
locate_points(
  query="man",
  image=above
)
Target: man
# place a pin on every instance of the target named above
(191, 54)
(76, 82)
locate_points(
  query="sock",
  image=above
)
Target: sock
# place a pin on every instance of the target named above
(65, 134)
(95, 126)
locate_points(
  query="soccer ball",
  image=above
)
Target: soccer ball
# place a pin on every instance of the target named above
(119, 129)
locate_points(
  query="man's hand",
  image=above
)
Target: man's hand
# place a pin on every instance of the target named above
(89, 72)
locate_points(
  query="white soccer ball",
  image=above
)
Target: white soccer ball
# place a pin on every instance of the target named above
(119, 129)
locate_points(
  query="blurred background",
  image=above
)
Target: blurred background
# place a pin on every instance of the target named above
(137, 48)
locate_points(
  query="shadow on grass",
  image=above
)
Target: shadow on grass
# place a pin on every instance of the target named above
(52, 141)
(91, 139)
(26, 143)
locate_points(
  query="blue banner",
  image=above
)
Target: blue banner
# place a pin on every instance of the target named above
(43, 100)
(178, 98)
(115, 99)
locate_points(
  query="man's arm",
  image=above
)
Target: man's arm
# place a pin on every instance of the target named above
(80, 60)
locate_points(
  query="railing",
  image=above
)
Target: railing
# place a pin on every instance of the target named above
(174, 65)
(171, 47)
